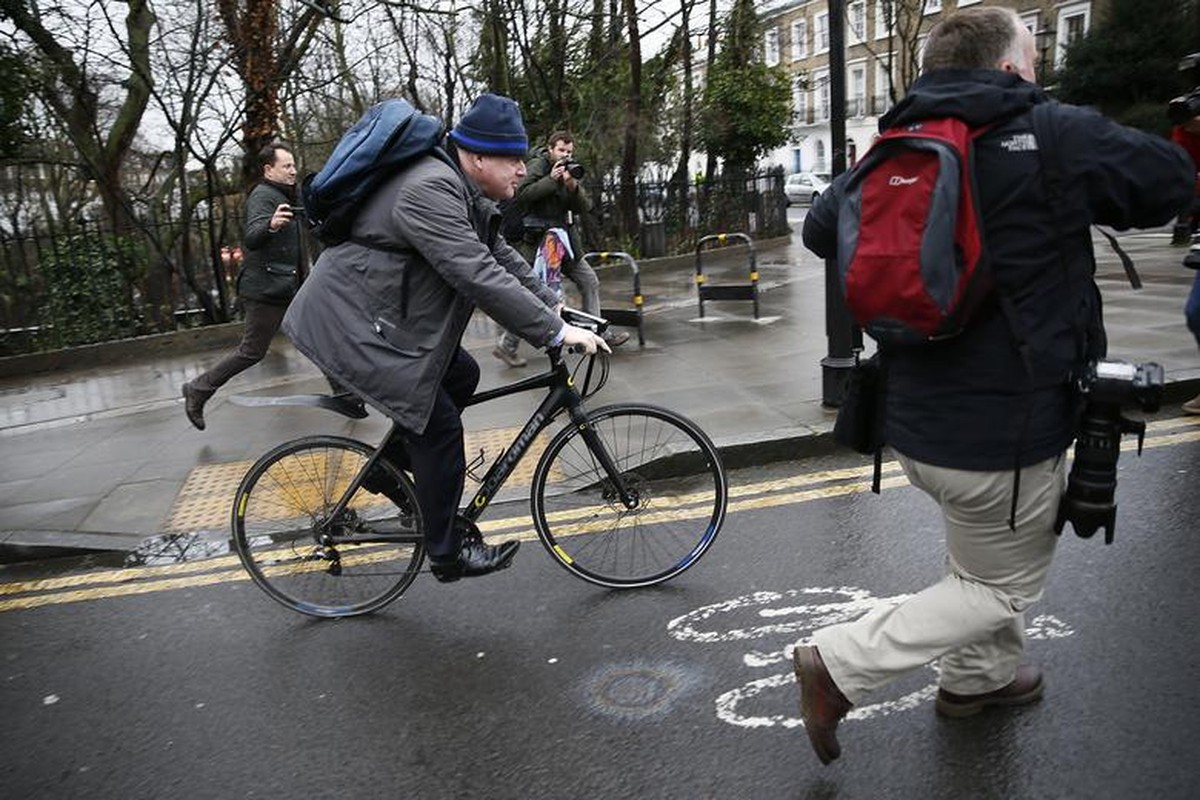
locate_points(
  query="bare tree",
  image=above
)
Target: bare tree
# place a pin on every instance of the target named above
(264, 56)
(201, 113)
(78, 90)
(900, 53)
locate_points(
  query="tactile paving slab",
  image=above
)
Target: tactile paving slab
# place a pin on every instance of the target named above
(206, 498)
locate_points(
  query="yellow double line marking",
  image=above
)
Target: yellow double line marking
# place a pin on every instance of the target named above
(749, 497)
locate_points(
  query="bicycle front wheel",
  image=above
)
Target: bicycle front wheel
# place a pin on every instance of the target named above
(311, 562)
(672, 474)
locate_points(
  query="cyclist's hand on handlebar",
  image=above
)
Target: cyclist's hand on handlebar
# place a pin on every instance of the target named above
(578, 338)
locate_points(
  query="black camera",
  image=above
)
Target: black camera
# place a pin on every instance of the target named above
(1105, 387)
(1183, 108)
(573, 168)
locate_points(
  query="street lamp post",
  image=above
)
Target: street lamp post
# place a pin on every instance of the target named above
(840, 332)
(1045, 40)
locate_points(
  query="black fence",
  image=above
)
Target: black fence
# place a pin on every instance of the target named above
(668, 218)
(77, 283)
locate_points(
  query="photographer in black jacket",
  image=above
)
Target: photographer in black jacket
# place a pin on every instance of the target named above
(268, 279)
(960, 413)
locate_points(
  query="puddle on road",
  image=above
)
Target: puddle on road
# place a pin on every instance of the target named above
(176, 548)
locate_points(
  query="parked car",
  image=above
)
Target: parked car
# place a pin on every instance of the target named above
(804, 187)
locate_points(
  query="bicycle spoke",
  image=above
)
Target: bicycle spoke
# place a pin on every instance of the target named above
(309, 561)
(669, 470)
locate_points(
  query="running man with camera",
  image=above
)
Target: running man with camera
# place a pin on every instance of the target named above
(967, 415)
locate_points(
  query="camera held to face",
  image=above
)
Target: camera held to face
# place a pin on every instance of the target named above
(1105, 386)
(1184, 108)
(573, 168)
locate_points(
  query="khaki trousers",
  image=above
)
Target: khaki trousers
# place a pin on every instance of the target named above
(973, 619)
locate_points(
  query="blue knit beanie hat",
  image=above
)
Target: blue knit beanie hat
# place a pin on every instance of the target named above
(492, 126)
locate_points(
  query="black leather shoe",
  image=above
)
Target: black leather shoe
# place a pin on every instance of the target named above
(193, 404)
(349, 404)
(475, 558)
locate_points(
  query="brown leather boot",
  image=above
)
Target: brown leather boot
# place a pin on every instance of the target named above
(1027, 687)
(822, 704)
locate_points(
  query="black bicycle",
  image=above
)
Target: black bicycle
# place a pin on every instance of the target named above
(623, 496)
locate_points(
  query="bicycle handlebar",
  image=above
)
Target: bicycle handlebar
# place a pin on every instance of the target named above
(582, 319)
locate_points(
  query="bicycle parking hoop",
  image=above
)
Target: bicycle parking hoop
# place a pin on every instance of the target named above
(730, 291)
(625, 317)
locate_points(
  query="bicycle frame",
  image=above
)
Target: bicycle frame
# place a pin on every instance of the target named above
(562, 396)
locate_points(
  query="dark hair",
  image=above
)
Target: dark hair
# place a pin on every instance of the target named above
(560, 136)
(267, 155)
(975, 38)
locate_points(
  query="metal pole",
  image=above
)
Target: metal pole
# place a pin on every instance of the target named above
(839, 330)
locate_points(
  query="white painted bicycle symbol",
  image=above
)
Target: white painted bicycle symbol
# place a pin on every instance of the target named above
(797, 613)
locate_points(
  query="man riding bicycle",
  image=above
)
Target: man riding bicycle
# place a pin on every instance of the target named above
(384, 313)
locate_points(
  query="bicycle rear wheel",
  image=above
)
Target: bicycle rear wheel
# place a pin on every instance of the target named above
(675, 475)
(355, 564)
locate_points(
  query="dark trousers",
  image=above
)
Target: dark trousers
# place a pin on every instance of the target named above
(262, 323)
(436, 458)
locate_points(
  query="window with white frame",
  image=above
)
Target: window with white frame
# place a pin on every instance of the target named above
(1030, 21)
(800, 102)
(821, 32)
(821, 81)
(799, 38)
(1074, 20)
(856, 20)
(882, 98)
(857, 107)
(933, 7)
(820, 166)
(885, 19)
(962, 3)
(771, 47)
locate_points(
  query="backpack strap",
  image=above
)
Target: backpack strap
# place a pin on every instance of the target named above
(880, 419)
(1048, 151)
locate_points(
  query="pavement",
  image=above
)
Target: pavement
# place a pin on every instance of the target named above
(96, 455)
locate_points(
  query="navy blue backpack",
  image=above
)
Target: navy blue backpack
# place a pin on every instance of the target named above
(389, 135)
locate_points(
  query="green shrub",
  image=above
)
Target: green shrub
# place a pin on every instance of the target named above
(89, 290)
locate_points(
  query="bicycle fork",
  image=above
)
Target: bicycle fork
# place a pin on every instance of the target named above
(628, 497)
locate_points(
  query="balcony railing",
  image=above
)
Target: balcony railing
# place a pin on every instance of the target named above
(856, 108)
(880, 103)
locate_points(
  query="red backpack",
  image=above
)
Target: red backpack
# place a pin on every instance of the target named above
(910, 243)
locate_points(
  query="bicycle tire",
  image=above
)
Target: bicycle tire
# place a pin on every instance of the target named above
(279, 512)
(682, 495)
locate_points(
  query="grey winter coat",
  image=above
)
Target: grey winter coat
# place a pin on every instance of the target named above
(269, 273)
(386, 320)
